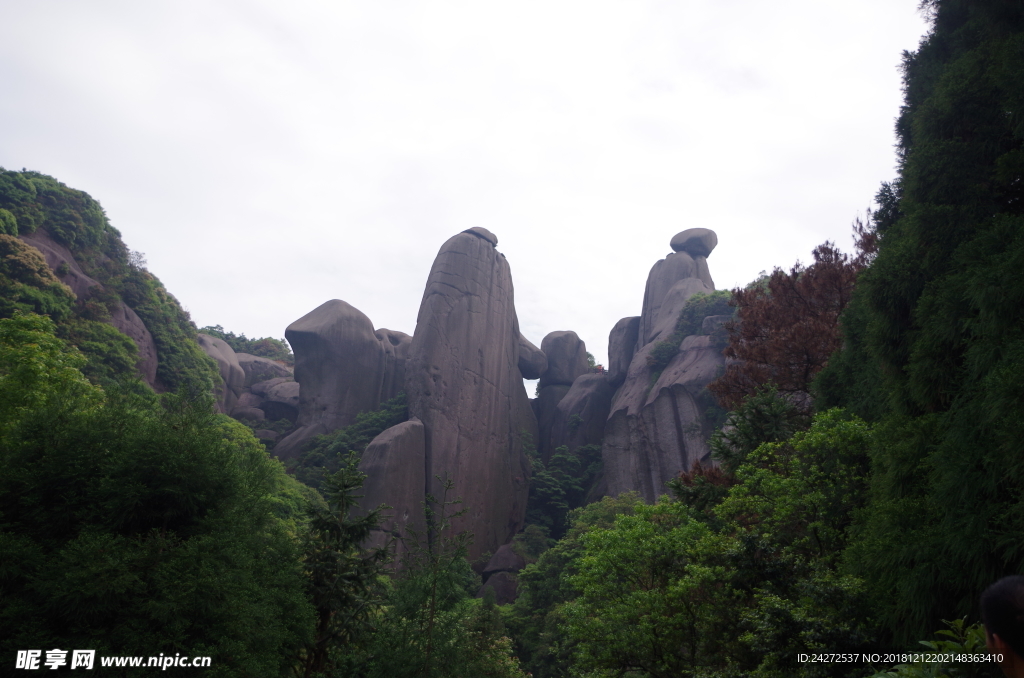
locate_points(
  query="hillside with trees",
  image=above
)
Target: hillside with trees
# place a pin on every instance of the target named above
(864, 482)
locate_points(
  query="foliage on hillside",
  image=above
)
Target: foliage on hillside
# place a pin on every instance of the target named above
(327, 453)
(735, 582)
(133, 524)
(697, 307)
(266, 347)
(561, 485)
(27, 283)
(30, 201)
(855, 521)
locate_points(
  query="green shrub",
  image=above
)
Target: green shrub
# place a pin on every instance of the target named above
(135, 524)
(266, 347)
(326, 452)
(27, 283)
(698, 307)
(30, 201)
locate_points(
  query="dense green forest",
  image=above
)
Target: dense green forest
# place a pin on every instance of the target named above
(868, 484)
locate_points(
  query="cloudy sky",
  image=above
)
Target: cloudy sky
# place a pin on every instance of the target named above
(269, 156)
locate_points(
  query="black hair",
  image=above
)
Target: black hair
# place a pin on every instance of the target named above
(1002, 611)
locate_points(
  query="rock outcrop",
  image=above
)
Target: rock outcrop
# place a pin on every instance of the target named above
(62, 262)
(253, 388)
(464, 384)
(580, 416)
(231, 373)
(692, 247)
(257, 368)
(339, 364)
(567, 360)
(396, 354)
(654, 431)
(130, 324)
(395, 466)
(545, 407)
(532, 361)
(270, 400)
(621, 347)
(499, 575)
(282, 401)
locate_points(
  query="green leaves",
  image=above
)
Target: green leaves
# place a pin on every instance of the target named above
(643, 604)
(736, 586)
(134, 524)
(561, 485)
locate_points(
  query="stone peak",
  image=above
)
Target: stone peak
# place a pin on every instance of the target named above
(697, 242)
(482, 232)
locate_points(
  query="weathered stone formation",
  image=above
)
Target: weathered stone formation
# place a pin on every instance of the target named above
(687, 265)
(579, 417)
(655, 431)
(253, 389)
(499, 575)
(123, 318)
(231, 373)
(344, 367)
(257, 368)
(395, 466)
(277, 398)
(396, 354)
(567, 360)
(621, 347)
(465, 387)
(532, 361)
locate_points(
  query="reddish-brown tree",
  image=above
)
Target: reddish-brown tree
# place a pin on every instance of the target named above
(787, 327)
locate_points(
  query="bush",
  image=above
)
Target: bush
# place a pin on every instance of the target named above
(698, 307)
(136, 524)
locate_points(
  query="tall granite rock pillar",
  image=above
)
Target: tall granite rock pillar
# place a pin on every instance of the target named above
(567, 361)
(464, 384)
(657, 425)
(688, 261)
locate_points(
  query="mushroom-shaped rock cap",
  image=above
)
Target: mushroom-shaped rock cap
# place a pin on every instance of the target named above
(697, 242)
(481, 232)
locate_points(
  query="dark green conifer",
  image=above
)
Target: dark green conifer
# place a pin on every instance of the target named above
(935, 338)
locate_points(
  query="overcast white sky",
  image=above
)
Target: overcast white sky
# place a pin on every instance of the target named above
(269, 156)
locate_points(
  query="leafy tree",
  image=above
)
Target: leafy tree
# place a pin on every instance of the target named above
(536, 620)
(787, 329)
(27, 283)
(561, 485)
(110, 354)
(666, 591)
(765, 416)
(958, 640)
(640, 608)
(432, 627)
(137, 525)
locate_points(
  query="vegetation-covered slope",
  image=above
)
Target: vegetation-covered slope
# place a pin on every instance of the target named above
(31, 202)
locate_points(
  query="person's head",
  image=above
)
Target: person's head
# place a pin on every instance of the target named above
(1002, 612)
